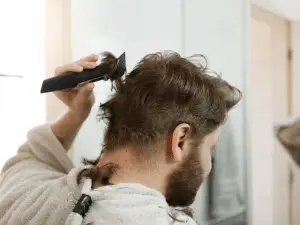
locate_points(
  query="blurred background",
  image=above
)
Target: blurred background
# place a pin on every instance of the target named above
(254, 44)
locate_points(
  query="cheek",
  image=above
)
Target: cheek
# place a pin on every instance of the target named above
(205, 160)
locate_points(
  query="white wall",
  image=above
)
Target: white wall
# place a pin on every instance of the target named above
(286, 8)
(21, 53)
(215, 28)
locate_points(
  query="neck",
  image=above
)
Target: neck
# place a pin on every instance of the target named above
(131, 170)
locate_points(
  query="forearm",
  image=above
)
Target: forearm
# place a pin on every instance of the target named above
(67, 127)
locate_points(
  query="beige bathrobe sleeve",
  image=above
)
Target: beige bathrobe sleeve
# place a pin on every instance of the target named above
(35, 183)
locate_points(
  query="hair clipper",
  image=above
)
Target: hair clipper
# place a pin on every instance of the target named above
(69, 80)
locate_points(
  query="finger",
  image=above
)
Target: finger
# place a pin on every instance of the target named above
(85, 92)
(69, 67)
(90, 58)
(86, 89)
(86, 64)
(89, 87)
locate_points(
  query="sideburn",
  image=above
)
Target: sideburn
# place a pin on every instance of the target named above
(185, 182)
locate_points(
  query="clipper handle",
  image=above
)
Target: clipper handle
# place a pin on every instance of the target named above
(69, 80)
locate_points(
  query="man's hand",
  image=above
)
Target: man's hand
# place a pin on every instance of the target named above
(80, 99)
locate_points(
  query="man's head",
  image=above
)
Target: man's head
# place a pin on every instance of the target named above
(167, 112)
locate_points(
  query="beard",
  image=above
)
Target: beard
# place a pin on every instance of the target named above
(184, 183)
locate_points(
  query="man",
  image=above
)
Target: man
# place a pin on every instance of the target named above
(163, 122)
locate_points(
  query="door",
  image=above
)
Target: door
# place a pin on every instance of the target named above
(268, 105)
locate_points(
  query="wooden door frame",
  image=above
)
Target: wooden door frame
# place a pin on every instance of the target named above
(57, 46)
(289, 78)
(290, 67)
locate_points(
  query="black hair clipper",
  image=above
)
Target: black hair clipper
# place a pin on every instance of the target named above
(69, 80)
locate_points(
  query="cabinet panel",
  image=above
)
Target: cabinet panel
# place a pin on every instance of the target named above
(218, 30)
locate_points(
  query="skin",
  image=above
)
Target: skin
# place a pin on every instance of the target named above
(160, 167)
(78, 100)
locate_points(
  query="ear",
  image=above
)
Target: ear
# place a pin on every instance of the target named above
(179, 137)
